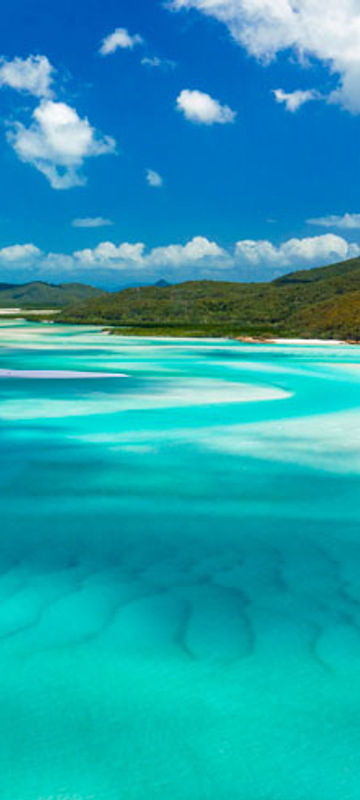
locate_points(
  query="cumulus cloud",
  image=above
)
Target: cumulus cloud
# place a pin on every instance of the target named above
(120, 38)
(197, 258)
(294, 252)
(325, 30)
(153, 178)
(123, 255)
(194, 251)
(346, 221)
(57, 142)
(18, 253)
(294, 100)
(91, 222)
(202, 108)
(111, 255)
(33, 75)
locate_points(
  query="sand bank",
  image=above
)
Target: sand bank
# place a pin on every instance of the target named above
(56, 374)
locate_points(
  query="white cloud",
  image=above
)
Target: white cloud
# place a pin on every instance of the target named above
(294, 252)
(57, 142)
(153, 178)
(120, 38)
(325, 30)
(193, 252)
(202, 108)
(56, 264)
(346, 221)
(111, 255)
(18, 253)
(91, 222)
(156, 62)
(294, 100)
(153, 61)
(33, 75)
(196, 259)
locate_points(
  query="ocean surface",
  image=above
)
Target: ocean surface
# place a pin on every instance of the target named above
(179, 568)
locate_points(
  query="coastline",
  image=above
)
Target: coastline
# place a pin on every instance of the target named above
(295, 341)
(18, 314)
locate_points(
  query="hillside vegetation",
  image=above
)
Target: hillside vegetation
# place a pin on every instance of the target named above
(322, 302)
(38, 294)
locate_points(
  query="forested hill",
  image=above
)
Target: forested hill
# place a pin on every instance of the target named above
(321, 302)
(39, 294)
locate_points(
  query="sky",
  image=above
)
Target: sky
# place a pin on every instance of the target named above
(188, 139)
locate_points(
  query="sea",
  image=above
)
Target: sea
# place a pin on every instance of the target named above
(179, 567)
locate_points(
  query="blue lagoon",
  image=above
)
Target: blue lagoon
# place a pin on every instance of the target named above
(179, 568)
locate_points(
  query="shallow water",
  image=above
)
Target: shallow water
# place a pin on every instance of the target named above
(179, 569)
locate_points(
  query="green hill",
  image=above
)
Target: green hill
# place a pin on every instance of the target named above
(322, 302)
(38, 294)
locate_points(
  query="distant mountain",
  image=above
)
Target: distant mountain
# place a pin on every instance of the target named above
(322, 302)
(162, 282)
(38, 294)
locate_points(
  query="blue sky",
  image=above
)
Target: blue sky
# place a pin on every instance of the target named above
(193, 139)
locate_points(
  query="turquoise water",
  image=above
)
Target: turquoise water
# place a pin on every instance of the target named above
(179, 569)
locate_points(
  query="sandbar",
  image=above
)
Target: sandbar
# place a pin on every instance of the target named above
(58, 374)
